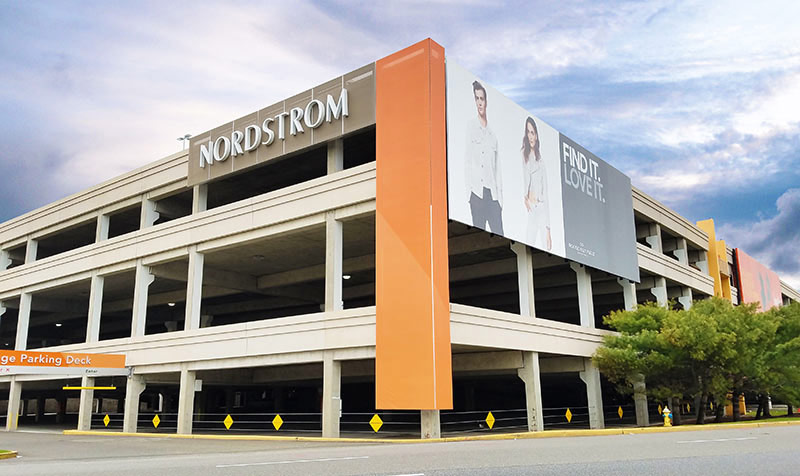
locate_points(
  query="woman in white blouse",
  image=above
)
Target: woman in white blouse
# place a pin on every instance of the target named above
(535, 182)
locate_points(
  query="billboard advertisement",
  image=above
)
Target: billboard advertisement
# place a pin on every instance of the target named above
(757, 283)
(512, 174)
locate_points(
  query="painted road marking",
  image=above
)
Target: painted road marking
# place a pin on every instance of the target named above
(718, 440)
(320, 460)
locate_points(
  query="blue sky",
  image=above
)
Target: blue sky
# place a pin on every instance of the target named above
(696, 101)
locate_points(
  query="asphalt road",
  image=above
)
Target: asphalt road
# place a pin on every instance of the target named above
(756, 451)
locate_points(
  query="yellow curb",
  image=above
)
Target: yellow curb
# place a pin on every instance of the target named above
(8, 454)
(450, 439)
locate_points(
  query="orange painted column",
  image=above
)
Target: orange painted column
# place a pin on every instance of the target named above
(412, 352)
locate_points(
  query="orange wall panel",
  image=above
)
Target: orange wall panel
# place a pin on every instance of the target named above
(412, 355)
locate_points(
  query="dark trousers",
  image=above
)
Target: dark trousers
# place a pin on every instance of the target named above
(485, 210)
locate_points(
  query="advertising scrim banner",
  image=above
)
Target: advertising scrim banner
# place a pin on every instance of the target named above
(757, 283)
(514, 175)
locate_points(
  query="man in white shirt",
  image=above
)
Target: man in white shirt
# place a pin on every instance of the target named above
(484, 185)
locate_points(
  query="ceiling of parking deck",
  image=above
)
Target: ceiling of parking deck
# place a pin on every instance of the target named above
(295, 250)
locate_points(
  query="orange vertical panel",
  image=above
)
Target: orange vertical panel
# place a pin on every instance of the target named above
(412, 354)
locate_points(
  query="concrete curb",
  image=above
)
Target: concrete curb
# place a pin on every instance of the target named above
(450, 439)
(8, 455)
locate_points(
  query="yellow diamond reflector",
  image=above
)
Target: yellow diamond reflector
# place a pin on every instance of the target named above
(277, 422)
(376, 423)
(490, 420)
(106, 420)
(568, 415)
(228, 421)
(619, 412)
(660, 410)
(156, 421)
(688, 408)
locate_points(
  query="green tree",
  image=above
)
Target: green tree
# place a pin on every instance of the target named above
(782, 377)
(712, 349)
(641, 349)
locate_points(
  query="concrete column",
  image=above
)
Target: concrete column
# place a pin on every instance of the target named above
(333, 263)
(659, 290)
(651, 232)
(681, 252)
(194, 289)
(30, 250)
(702, 263)
(594, 394)
(144, 278)
(103, 223)
(585, 301)
(430, 424)
(23, 321)
(527, 303)
(5, 260)
(331, 396)
(335, 156)
(640, 401)
(149, 214)
(85, 408)
(95, 308)
(686, 298)
(39, 409)
(186, 401)
(629, 293)
(12, 414)
(133, 389)
(199, 198)
(62, 409)
(530, 374)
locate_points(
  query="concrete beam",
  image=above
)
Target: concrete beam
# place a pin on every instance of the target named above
(552, 365)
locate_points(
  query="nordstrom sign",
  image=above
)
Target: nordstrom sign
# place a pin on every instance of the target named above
(256, 135)
(334, 109)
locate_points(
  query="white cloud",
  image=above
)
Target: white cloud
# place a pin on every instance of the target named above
(773, 241)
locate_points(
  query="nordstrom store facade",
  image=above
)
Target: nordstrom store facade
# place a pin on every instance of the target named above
(402, 240)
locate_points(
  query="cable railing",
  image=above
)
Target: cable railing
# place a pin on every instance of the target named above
(401, 423)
